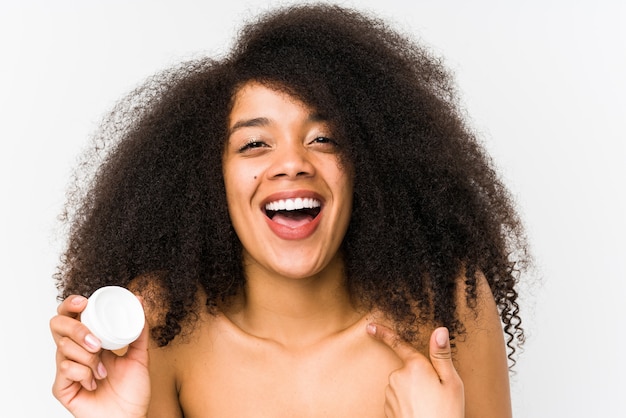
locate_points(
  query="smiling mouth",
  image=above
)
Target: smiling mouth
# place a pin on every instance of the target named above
(293, 212)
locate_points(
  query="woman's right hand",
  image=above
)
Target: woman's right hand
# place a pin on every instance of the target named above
(92, 382)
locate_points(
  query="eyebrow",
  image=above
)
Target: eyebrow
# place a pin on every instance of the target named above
(247, 123)
(262, 121)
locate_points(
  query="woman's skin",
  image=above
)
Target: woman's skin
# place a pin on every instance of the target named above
(292, 343)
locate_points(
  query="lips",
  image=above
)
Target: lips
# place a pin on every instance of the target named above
(293, 215)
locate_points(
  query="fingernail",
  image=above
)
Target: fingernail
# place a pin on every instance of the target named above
(371, 328)
(442, 337)
(92, 342)
(102, 371)
(77, 300)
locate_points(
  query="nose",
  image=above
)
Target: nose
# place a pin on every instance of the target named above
(291, 160)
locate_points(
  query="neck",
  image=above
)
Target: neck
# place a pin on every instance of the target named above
(295, 312)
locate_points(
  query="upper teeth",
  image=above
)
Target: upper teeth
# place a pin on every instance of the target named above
(293, 204)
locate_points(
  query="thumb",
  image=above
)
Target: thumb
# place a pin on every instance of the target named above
(138, 349)
(441, 354)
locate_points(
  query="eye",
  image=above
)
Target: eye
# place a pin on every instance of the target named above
(325, 140)
(324, 144)
(253, 144)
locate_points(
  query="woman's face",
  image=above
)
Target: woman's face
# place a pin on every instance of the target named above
(289, 196)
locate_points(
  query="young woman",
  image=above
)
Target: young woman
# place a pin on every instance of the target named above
(313, 231)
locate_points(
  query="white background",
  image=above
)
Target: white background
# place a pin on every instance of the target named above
(544, 83)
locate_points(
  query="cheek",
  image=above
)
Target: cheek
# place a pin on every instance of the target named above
(343, 174)
(240, 182)
(247, 169)
(345, 183)
(347, 189)
(237, 175)
(234, 190)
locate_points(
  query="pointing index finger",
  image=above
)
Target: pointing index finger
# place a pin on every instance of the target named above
(403, 349)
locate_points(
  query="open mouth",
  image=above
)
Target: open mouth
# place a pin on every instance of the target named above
(293, 212)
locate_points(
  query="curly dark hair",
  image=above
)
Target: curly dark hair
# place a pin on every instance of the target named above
(428, 205)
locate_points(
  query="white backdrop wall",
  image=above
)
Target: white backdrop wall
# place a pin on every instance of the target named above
(544, 83)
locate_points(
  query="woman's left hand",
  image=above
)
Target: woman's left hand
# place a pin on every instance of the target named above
(422, 388)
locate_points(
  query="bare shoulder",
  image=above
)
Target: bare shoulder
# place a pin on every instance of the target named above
(481, 354)
(218, 364)
(167, 362)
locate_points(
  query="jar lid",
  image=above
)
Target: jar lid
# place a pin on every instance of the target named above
(115, 316)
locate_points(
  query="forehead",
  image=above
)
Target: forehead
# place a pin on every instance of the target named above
(254, 93)
(256, 104)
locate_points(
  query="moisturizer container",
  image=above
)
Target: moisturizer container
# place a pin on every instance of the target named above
(115, 316)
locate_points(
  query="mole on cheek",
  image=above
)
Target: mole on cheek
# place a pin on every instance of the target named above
(255, 177)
